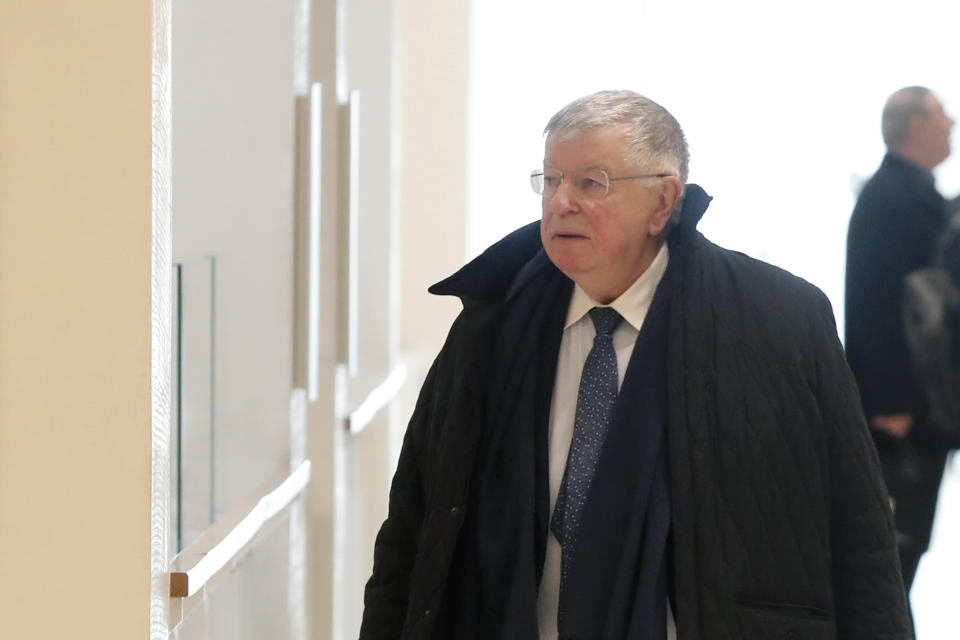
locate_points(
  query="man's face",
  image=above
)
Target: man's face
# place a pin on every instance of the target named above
(932, 130)
(604, 244)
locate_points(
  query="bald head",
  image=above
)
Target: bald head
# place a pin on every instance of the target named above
(915, 126)
(901, 107)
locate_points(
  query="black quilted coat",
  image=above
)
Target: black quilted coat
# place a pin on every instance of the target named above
(781, 528)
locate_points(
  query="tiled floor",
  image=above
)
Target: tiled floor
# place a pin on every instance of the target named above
(934, 596)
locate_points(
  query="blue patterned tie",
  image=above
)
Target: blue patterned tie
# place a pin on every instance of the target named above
(598, 391)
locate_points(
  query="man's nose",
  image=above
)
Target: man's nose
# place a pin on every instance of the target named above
(564, 199)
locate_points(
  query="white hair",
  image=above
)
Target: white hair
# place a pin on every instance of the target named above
(650, 129)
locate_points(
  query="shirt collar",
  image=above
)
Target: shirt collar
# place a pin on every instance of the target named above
(633, 303)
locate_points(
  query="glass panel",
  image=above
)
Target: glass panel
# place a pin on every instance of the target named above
(234, 227)
(175, 538)
(194, 407)
(233, 180)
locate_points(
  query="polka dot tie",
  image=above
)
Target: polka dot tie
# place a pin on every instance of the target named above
(598, 391)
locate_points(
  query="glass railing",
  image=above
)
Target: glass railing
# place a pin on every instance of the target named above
(194, 400)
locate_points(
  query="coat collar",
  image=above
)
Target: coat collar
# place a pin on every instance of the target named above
(508, 264)
(913, 171)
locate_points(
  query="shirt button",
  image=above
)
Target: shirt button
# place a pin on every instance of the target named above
(454, 510)
(427, 613)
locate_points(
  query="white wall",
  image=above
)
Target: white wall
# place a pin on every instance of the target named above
(433, 55)
(780, 103)
(75, 212)
(412, 80)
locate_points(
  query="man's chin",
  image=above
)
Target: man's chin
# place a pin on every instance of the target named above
(571, 263)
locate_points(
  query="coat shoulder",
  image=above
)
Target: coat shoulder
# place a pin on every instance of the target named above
(759, 286)
(762, 313)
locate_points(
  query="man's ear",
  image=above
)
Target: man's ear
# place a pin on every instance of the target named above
(670, 190)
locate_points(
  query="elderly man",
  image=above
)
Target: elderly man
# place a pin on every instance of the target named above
(898, 219)
(627, 421)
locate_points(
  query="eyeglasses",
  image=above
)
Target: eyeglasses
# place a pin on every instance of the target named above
(593, 184)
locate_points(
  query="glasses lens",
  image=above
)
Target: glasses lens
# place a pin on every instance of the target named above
(536, 181)
(594, 184)
(551, 182)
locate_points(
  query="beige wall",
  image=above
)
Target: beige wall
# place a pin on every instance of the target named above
(75, 203)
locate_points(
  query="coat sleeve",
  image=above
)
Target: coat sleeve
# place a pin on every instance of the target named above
(869, 597)
(386, 594)
(878, 259)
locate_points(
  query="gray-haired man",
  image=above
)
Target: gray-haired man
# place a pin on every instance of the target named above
(626, 415)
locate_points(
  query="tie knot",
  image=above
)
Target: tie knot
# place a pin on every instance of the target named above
(605, 319)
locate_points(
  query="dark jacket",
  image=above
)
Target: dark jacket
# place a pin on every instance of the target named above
(895, 224)
(781, 527)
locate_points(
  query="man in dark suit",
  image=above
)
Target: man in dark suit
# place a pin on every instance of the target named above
(897, 220)
(626, 415)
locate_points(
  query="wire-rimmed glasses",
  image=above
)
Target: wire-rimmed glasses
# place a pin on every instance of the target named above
(592, 184)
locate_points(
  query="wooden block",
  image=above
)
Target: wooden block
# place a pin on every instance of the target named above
(178, 585)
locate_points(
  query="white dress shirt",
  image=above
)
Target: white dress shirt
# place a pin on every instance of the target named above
(578, 334)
